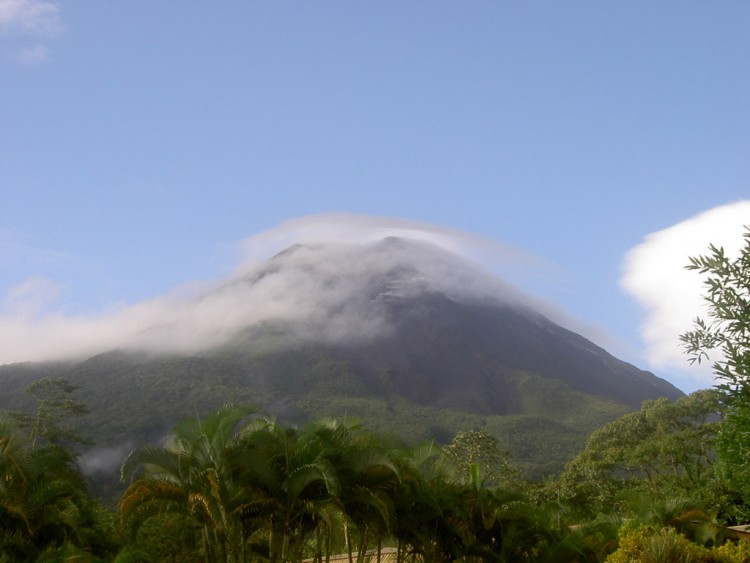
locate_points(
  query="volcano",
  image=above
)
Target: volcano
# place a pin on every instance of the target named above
(406, 337)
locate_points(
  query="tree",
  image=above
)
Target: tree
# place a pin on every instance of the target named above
(726, 337)
(55, 410)
(44, 505)
(367, 475)
(665, 448)
(444, 515)
(290, 487)
(728, 328)
(189, 484)
(478, 450)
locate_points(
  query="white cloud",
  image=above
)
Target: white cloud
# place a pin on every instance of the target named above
(363, 229)
(326, 288)
(106, 459)
(26, 26)
(654, 274)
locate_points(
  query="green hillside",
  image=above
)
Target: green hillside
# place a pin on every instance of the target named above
(442, 368)
(135, 399)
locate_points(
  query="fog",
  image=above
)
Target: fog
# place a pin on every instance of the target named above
(323, 275)
(105, 460)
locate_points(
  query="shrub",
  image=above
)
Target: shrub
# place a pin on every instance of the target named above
(646, 545)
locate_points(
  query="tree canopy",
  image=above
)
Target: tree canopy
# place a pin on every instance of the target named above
(725, 334)
(724, 339)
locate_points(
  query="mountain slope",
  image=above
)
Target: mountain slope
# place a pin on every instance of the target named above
(409, 340)
(460, 355)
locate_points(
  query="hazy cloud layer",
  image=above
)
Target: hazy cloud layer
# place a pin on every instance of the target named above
(655, 275)
(26, 27)
(328, 287)
(106, 460)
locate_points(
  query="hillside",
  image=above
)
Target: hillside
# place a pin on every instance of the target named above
(539, 388)
(401, 352)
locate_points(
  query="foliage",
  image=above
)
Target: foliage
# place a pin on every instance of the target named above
(648, 544)
(254, 486)
(55, 411)
(728, 328)
(44, 506)
(238, 486)
(192, 479)
(733, 552)
(734, 448)
(439, 517)
(726, 335)
(551, 423)
(665, 449)
(538, 444)
(478, 452)
(280, 493)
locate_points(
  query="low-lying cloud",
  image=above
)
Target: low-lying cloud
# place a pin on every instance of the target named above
(105, 460)
(655, 275)
(318, 274)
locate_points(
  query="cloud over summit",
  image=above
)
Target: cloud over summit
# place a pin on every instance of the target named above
(323, 275)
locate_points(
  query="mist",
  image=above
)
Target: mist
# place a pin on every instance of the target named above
(324, 276)
(105, 460)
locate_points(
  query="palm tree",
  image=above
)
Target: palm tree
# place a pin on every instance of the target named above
(191, 478)
(445, 516)
(289, 485)
(43, 499)
(424, 498)
(367, 476)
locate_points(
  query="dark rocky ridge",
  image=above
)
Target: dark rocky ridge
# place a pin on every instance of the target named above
(458, 355)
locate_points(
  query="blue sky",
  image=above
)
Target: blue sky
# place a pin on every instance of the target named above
(143, 141)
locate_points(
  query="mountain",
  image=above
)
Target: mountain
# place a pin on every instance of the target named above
(407, 338)
(470, 356)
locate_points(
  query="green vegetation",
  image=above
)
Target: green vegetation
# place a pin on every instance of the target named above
(239, 486)
(45, 509)
(659, 484)
(548, 423)
(664, 450)
(727, 335)
(55, 407)
(539, 442)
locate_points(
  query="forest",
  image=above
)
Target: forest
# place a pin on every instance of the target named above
(669, 482)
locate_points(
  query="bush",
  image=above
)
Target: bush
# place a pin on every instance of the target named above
(647, 545)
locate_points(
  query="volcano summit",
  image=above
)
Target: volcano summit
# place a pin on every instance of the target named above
(399, 332)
